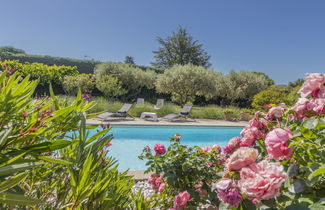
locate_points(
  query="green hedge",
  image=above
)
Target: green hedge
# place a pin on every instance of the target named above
(83, 66)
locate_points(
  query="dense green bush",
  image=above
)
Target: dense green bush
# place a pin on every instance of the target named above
(186, 82)
(268, 97)
(132, 78)
(239, 88)
(83, 66)
(110, 86)
(44, 73)
(85, 82)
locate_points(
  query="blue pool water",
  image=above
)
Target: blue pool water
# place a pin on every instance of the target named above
(129, 140)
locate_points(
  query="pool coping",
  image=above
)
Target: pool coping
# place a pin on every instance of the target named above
(198, 122)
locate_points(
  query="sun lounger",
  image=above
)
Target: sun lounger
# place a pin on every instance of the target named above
(159, 104)
(183, 114)
(122, 113)
(140, 100)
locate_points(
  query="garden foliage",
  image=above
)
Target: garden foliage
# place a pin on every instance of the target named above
(278, 162)
(185, 82)
(180, 49)
(47, 158)
(38, 71)
(132, 78)
(85, 82)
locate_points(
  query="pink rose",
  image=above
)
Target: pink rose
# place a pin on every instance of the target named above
(250, 134)
(158, 182)
(161, 187)
(275, 112)
(262, 180)
(181, 199)
(258, 121)
(321, 93)
(313, 83)
(319, 107)
(207, 148)
(233, 144)
(228, 149)
(228, 193)
(216, 148)
(159, 149)
(242, 157)
(198, 189)
(276, 143)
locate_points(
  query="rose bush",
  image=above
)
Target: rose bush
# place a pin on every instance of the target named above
(278, 162)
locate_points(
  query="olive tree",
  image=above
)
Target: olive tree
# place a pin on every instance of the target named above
(185, 82)
(85, 82)
(240, 87)
(132, 78)
(110, 86)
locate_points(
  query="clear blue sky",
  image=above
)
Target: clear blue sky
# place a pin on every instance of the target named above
(282, 38)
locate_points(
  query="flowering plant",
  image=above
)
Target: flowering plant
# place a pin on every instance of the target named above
(277, 162)
(183, 172)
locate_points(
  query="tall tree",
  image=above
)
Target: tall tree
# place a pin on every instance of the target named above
(129, 60)
(180, 48)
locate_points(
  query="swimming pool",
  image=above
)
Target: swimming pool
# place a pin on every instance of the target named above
(129, 140)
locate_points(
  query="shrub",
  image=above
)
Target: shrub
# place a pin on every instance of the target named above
(83, 66)
(181, 168)
(268, 97)
(238, 88)
(186, 82)
(293, 95)
(48, 160)
(132, 78)
(110, 86)
(44, 73)
(85, 82)
(30, 132)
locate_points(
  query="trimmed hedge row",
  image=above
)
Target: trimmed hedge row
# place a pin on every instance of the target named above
(83, 66)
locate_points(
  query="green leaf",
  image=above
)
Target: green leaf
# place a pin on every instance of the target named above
(48, 146)
(316, 206)
(12, 159)
(97, 135)
(310, 123)
(4, 134)
(10, 169)
(317, 172)
(52, 160)
(16, 199)
(307, 133)
(248, 205)
(270, 203)
(12, 181)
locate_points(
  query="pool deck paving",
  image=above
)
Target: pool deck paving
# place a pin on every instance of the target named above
(198, 122)
(140, 175)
